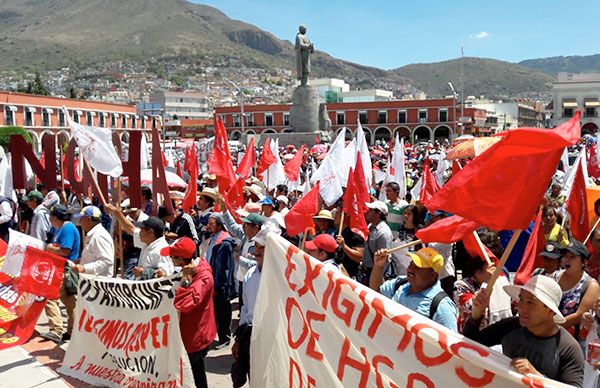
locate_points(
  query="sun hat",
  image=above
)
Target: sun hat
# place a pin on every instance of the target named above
(255, 189)
(427, 258)
(324, 215)
(378, 205)
(210, 193)
(250, 207)
(545, 289)
(283, 199)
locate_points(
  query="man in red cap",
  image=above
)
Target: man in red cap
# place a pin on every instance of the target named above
(194, 300)
(324, 248)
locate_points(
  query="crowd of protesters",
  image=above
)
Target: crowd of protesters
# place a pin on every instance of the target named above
(543, 326)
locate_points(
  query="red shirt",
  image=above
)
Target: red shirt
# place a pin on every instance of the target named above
(195, 303)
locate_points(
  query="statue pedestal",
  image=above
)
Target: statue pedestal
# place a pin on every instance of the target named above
(304, 112)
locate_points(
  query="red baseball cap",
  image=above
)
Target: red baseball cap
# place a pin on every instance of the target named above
(182, 247)
(324, 242)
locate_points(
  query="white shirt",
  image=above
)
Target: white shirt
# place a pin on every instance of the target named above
(330, 263)
(98, 254)
(251, 283)
(6, 213)
(150, 256)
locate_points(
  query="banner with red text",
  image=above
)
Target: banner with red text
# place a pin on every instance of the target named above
(126, 333)
(19, 312)
(314, 327)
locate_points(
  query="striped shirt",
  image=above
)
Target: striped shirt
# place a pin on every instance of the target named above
(395, 216)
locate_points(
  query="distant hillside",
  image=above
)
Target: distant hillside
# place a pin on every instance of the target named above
(570, 64)
(488, 77)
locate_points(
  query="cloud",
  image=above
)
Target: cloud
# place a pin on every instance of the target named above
(480, 35)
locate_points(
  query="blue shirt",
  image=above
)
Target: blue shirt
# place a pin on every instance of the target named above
(68, 238)
(446, 314)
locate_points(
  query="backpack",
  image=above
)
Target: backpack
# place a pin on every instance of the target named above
(435, 302)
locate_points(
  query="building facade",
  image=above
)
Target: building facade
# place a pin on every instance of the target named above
(39, 115)
(510, 114)
(177, 105)
(573, 92)
(412, 119)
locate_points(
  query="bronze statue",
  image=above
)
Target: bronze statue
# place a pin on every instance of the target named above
(303, 50)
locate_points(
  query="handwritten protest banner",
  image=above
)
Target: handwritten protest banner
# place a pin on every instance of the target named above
(314, 327)
(127, 334)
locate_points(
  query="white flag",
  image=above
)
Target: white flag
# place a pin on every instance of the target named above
(15, 252)
(328, 172)
(564, 158)
(415, 192)
(144, 154)
(171, 158)
(363, 147)
(442, 166)
(275, 174)
(349, 161)
(96, 146)
(6, 181)
(396, 170)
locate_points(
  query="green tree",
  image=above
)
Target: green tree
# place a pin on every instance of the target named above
(72, 92)
(5, 133)
(38, 86)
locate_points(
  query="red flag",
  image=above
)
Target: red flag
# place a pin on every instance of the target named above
(42, 273)
(299, 218)
(19, 313)
(248, 161)
(178, 165)
(473, 249)
(593, 168)
(317, 140)
(360, 182)
(189, 199)
(531, 256)
(234, 197)
(577, 206)
(447, 230)
(430, 185)
(164, 159)
(503, 187)
(186, 160)
(292, 167)
(3, 247)
(456, 167)
(219, 161)
(266, 159)
(355, 208)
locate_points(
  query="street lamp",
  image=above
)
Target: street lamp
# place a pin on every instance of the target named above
(241, 93)
(454, 105)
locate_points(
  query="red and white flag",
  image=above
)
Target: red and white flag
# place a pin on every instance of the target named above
(42, 273)
(576, 204)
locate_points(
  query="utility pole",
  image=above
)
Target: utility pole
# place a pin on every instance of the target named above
(241, 101)
(453, 106)
(462, 83)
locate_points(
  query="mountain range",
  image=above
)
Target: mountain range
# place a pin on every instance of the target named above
(50, 34)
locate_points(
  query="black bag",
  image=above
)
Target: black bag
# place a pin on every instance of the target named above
(71, 279)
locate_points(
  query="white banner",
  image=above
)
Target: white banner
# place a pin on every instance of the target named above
(314, 327)
(126, 334)
(15, 252)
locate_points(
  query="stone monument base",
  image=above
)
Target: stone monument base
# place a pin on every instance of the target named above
(304, 112)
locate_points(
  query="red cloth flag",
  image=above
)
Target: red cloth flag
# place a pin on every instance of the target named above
(267, 158)
(593, 168)
(42, 273)
(473, 249)
(20, 313)
(503, 187)
(248, 161)
(179, 172)
(299, 218)
(456, 167)
(360, 182)
(219, 161)
(577, 206)
(447, 230)
(3, 247)
(164, 159)
(189, 199)
(531, 256)
(234, 197)
(292, 167)
(355, 208)
(430, 185)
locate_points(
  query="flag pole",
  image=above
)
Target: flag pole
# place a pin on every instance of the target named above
(482, 248)
(503, 260)
(304, 238)
(410, 244)
(95, 183)
(591, 231)
(342, 223)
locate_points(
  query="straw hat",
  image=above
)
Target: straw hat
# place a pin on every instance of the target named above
(545, 289)
(324, 215)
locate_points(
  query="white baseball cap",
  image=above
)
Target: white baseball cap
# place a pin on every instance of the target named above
(378, 205)
(545, 289)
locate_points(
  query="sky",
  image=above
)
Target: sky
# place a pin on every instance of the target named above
(393, 33)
